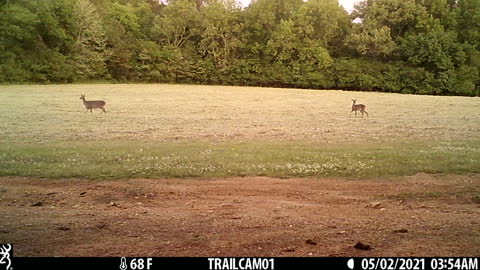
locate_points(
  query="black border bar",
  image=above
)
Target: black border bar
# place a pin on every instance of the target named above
(239, 263)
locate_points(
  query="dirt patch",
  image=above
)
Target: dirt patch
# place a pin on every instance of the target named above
(421, 215)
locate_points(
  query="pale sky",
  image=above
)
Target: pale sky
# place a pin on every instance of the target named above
(347, 4)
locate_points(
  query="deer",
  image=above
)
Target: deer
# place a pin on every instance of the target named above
(358, 107)
(93, 104)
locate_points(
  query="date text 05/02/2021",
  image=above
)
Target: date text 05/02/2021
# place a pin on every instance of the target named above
(457, 263)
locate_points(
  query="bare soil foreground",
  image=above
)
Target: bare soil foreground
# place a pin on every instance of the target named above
(420, 215)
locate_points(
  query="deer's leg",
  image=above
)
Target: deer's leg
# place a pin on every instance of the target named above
(103, 110)
(366, 113)
(355, 113)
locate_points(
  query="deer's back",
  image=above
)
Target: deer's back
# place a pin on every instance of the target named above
(358, 107)
(94, 104)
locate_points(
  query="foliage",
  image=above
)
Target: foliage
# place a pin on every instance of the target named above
(89, 49)
(376, 43)
(410, 46)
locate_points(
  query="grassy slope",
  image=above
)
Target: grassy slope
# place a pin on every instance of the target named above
(185, 131)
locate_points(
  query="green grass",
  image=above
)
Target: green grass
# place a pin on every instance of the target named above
(157, 131)
(188, 159)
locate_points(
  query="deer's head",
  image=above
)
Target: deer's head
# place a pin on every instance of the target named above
(82, 96)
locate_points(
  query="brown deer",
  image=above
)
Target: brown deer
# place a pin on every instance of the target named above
(93, 104)
(358, 107)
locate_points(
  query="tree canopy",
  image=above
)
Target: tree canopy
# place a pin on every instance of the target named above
(407, 46)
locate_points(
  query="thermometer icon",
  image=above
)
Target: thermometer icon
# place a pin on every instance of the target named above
(123, 263)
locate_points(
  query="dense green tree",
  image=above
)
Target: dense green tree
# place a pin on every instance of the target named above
(469, 22)
(89, 49)
(469, 33)
(407, 46)
(127, 16)
(177, 24)
(18, 35)
(324, 21)
(398, 15)
(436, 50)
(219, 38)
(375, 43)
(35, 38)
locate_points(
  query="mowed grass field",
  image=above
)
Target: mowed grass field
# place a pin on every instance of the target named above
(156, 131)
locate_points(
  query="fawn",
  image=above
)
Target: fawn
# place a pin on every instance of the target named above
(93, 104)
(358, 107)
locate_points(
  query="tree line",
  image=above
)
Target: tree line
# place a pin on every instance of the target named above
(404, 46)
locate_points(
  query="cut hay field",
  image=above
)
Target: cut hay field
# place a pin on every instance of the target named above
(155, 130)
